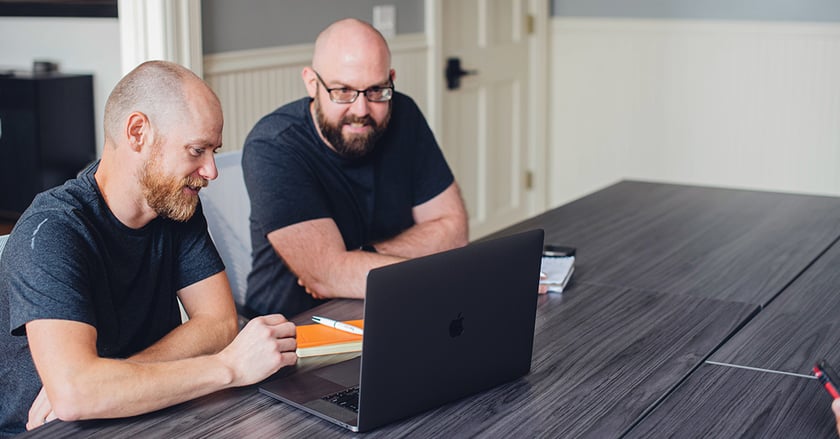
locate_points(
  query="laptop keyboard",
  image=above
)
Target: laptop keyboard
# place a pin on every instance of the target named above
(347, 398)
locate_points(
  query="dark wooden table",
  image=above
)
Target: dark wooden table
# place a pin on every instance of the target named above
(667, 278)
(800, 326)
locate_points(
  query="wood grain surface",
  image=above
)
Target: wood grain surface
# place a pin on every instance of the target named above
(717, 243)
(799, 327)
(602, 357)
(725, 402)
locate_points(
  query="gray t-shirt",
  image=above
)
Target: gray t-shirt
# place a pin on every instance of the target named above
(70, 258)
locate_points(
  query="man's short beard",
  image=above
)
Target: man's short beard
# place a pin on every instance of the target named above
(165, 195)
(352, 146)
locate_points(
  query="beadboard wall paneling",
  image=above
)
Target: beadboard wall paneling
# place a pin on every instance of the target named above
(252, 83)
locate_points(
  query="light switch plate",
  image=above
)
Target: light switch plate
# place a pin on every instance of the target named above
(385, 20)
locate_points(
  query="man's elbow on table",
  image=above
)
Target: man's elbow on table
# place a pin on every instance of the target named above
(68, 402)
(77, 394)
(459, 236)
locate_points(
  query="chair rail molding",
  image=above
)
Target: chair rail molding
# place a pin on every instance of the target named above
(252, 83)
(168, 30)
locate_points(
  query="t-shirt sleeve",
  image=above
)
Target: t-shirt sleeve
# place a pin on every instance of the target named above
(281, 184)
(199, 258)
(45, 270)
(432, 174)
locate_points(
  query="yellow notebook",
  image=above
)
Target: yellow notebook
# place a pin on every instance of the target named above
(315, 339)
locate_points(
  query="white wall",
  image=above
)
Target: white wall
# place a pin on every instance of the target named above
(79, 45)
(722, 103)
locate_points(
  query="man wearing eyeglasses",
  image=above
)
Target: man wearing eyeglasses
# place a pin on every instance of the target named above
(347, 179)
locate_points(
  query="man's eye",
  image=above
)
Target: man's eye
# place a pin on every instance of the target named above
(197, 151)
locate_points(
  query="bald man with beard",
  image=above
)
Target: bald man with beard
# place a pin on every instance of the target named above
(91, 274)
(345, 180)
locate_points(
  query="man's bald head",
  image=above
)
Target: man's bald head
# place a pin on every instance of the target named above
(157, 89)
(350, 43)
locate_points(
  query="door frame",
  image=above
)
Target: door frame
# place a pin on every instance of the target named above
(168, 30)
(538, 151)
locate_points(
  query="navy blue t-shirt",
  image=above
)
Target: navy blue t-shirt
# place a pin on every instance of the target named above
(70, 258)
(293, 176)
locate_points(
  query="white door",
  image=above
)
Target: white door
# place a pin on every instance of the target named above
(490, 133)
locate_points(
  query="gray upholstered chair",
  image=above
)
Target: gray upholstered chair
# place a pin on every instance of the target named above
(3, 239)
(227, 208)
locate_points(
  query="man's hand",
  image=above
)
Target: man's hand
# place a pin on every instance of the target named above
(835, 407)
(82, 385)
(542, 289)
(308, 291)
(266, 344)
(40, 412)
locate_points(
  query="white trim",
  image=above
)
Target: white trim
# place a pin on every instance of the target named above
(434, 57)
(160, 29)
(190, 38)
(694, 26)
(252, 59)
(408, 42)
(538, 101)
(132, 33)
(240, 60)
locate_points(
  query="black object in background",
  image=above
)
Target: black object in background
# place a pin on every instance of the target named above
(54, 8)
(46, 133)
(558, 250)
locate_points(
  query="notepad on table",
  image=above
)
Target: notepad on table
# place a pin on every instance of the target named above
(558, 271)
(315, 339)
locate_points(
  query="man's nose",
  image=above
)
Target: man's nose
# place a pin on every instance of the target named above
(208, 170)
(361, 106)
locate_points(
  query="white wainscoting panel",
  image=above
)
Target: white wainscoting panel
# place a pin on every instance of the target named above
(721, 103)
(252, 83)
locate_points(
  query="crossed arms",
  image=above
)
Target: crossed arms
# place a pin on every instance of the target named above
(314, 250)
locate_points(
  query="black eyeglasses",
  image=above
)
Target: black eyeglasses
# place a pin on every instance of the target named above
(344, 95)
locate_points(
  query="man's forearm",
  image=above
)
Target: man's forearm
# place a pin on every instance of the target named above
(81, 385)
(314, 250)
(197, 336)
(119, 388)
(440, 224)
(212, 324)
(346, 276)
(425, 239)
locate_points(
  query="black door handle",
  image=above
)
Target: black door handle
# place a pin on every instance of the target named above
(454, 72)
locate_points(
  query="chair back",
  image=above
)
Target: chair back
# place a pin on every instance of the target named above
(227, 208)
(3, 239)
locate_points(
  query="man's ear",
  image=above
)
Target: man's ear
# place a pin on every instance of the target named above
(310, 81)
(138, 131)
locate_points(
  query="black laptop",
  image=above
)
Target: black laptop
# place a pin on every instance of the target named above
(437, 329)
